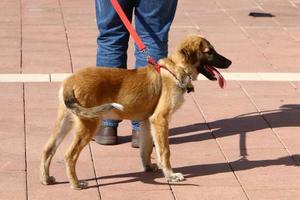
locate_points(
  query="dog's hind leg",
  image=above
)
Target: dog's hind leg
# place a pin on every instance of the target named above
(85, 130)
(63, 125)
(146, 147)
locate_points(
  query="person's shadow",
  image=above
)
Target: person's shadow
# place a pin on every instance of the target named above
(287, 116)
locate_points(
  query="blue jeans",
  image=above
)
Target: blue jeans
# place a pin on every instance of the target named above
(152, 19)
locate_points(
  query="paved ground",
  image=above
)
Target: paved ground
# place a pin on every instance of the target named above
(239, 143)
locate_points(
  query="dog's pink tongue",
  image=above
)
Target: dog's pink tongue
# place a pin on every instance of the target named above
(218, 75)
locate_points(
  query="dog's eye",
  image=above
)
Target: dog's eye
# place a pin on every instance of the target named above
(208, 52)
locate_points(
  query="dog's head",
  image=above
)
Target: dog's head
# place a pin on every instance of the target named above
(201, 57)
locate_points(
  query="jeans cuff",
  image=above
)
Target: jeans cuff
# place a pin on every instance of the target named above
(135, 126)
(110, 123)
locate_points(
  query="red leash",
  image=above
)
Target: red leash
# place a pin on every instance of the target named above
(134, 34)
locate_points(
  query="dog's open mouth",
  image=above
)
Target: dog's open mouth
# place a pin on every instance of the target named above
(213, 74)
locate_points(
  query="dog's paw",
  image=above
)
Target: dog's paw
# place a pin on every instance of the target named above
(48, 180)
(152, 168)
(80, 185)
(175, 177)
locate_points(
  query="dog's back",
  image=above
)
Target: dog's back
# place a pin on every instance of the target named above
(93, 87)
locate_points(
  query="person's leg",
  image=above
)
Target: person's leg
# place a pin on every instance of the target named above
(135, 134)
(111, 52)
(113, 36)
(153, 19)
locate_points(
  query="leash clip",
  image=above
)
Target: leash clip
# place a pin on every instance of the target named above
(150, 59)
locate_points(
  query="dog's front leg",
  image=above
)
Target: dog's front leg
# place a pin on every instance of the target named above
(159, 131)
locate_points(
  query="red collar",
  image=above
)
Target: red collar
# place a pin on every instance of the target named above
(188, 87)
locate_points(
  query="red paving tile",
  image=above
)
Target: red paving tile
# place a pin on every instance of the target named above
(128, 194)
(238, 143)
(275, 194)
(206, 192)
(265, 169)
(13, 185)
(45, 45)
(12, 134)
(223, 103)
(295, 33)
(12, 150)
(10, 37)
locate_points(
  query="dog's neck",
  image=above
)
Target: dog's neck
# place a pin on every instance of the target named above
(183, 79)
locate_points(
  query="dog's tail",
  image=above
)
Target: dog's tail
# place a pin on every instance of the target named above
(93, 112)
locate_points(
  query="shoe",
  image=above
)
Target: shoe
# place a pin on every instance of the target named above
(135, 139)
(107, 135)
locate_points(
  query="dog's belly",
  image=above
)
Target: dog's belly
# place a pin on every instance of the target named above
(138, 106)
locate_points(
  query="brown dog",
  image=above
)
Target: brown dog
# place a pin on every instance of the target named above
(142, 94)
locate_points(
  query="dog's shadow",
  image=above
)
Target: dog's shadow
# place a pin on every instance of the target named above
(286, 116)
(195, 171)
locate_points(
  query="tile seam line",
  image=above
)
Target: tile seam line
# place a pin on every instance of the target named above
(23, 101)
(66, 35)
(293, 4)
(190, 19)
(219, 147)
(21, 37)
(25, 140)
(94, 171)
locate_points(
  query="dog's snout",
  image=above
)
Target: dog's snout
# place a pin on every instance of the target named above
(221, 61)
(228, 63)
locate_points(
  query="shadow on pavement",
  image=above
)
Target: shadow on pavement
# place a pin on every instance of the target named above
(287, 116)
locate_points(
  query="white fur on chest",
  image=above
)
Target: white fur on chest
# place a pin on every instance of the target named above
(177, 97)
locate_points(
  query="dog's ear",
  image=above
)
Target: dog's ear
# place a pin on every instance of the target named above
(185, 52)
(191, 48)
(189, 54)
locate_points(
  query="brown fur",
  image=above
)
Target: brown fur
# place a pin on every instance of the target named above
(142, 94)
